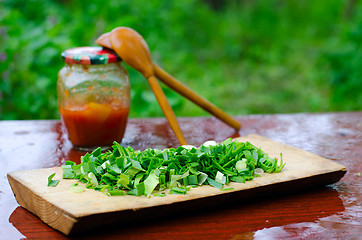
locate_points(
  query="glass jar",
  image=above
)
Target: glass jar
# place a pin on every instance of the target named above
(93, 97)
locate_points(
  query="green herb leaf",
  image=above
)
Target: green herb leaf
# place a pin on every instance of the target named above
(178, 190)
(215, 183)
(51, 182)
(150, 183)
(116, 192)
(68, 172)
(162, 194)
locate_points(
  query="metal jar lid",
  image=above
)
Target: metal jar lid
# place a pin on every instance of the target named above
(90, 55)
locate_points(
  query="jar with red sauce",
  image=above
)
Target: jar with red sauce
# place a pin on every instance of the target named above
(93, 97)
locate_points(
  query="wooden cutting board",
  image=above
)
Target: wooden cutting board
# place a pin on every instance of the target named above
(75, 212)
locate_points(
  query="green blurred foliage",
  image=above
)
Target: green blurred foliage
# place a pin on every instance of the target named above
(244, 56)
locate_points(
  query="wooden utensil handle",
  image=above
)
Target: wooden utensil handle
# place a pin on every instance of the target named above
(166, 109)
(192, 96)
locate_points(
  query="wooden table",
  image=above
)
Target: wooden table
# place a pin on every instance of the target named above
(331, 212)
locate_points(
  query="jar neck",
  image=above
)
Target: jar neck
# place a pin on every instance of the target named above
(93, 67)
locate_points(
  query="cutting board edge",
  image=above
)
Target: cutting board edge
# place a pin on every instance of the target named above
(43, 196)
(204, 203)
(73, 225)
(64, 219)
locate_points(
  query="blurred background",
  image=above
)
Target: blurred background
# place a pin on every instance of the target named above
(245, 56)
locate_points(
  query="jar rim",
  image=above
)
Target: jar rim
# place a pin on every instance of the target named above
(90, 55)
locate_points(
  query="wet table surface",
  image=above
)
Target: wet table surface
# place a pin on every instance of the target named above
(330, 212)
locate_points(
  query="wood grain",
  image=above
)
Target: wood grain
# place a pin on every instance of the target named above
(75, 212)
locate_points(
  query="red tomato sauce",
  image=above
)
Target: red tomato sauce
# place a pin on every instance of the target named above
(94, 124)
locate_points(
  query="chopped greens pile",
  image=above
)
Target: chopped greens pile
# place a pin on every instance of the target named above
(150, 172)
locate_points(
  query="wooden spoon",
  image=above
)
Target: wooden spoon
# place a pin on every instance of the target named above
(133, 49)
(104, 40)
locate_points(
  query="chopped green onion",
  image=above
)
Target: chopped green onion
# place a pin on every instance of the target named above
(240, 165)
(141, 189)
(258, 171)
(123, 181)
(116, 192)
(220, 177)
(162, 194)
(51, 182)
(92, 178)
(68, 172)
(238, 179)
(192, 180)
(71, 163)
(178, 190)
(215, 183)
(104, 165)
(76, 188)
(209, 143)
(188, 147)
(150, 183)
(201, 178)
(127, 171)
